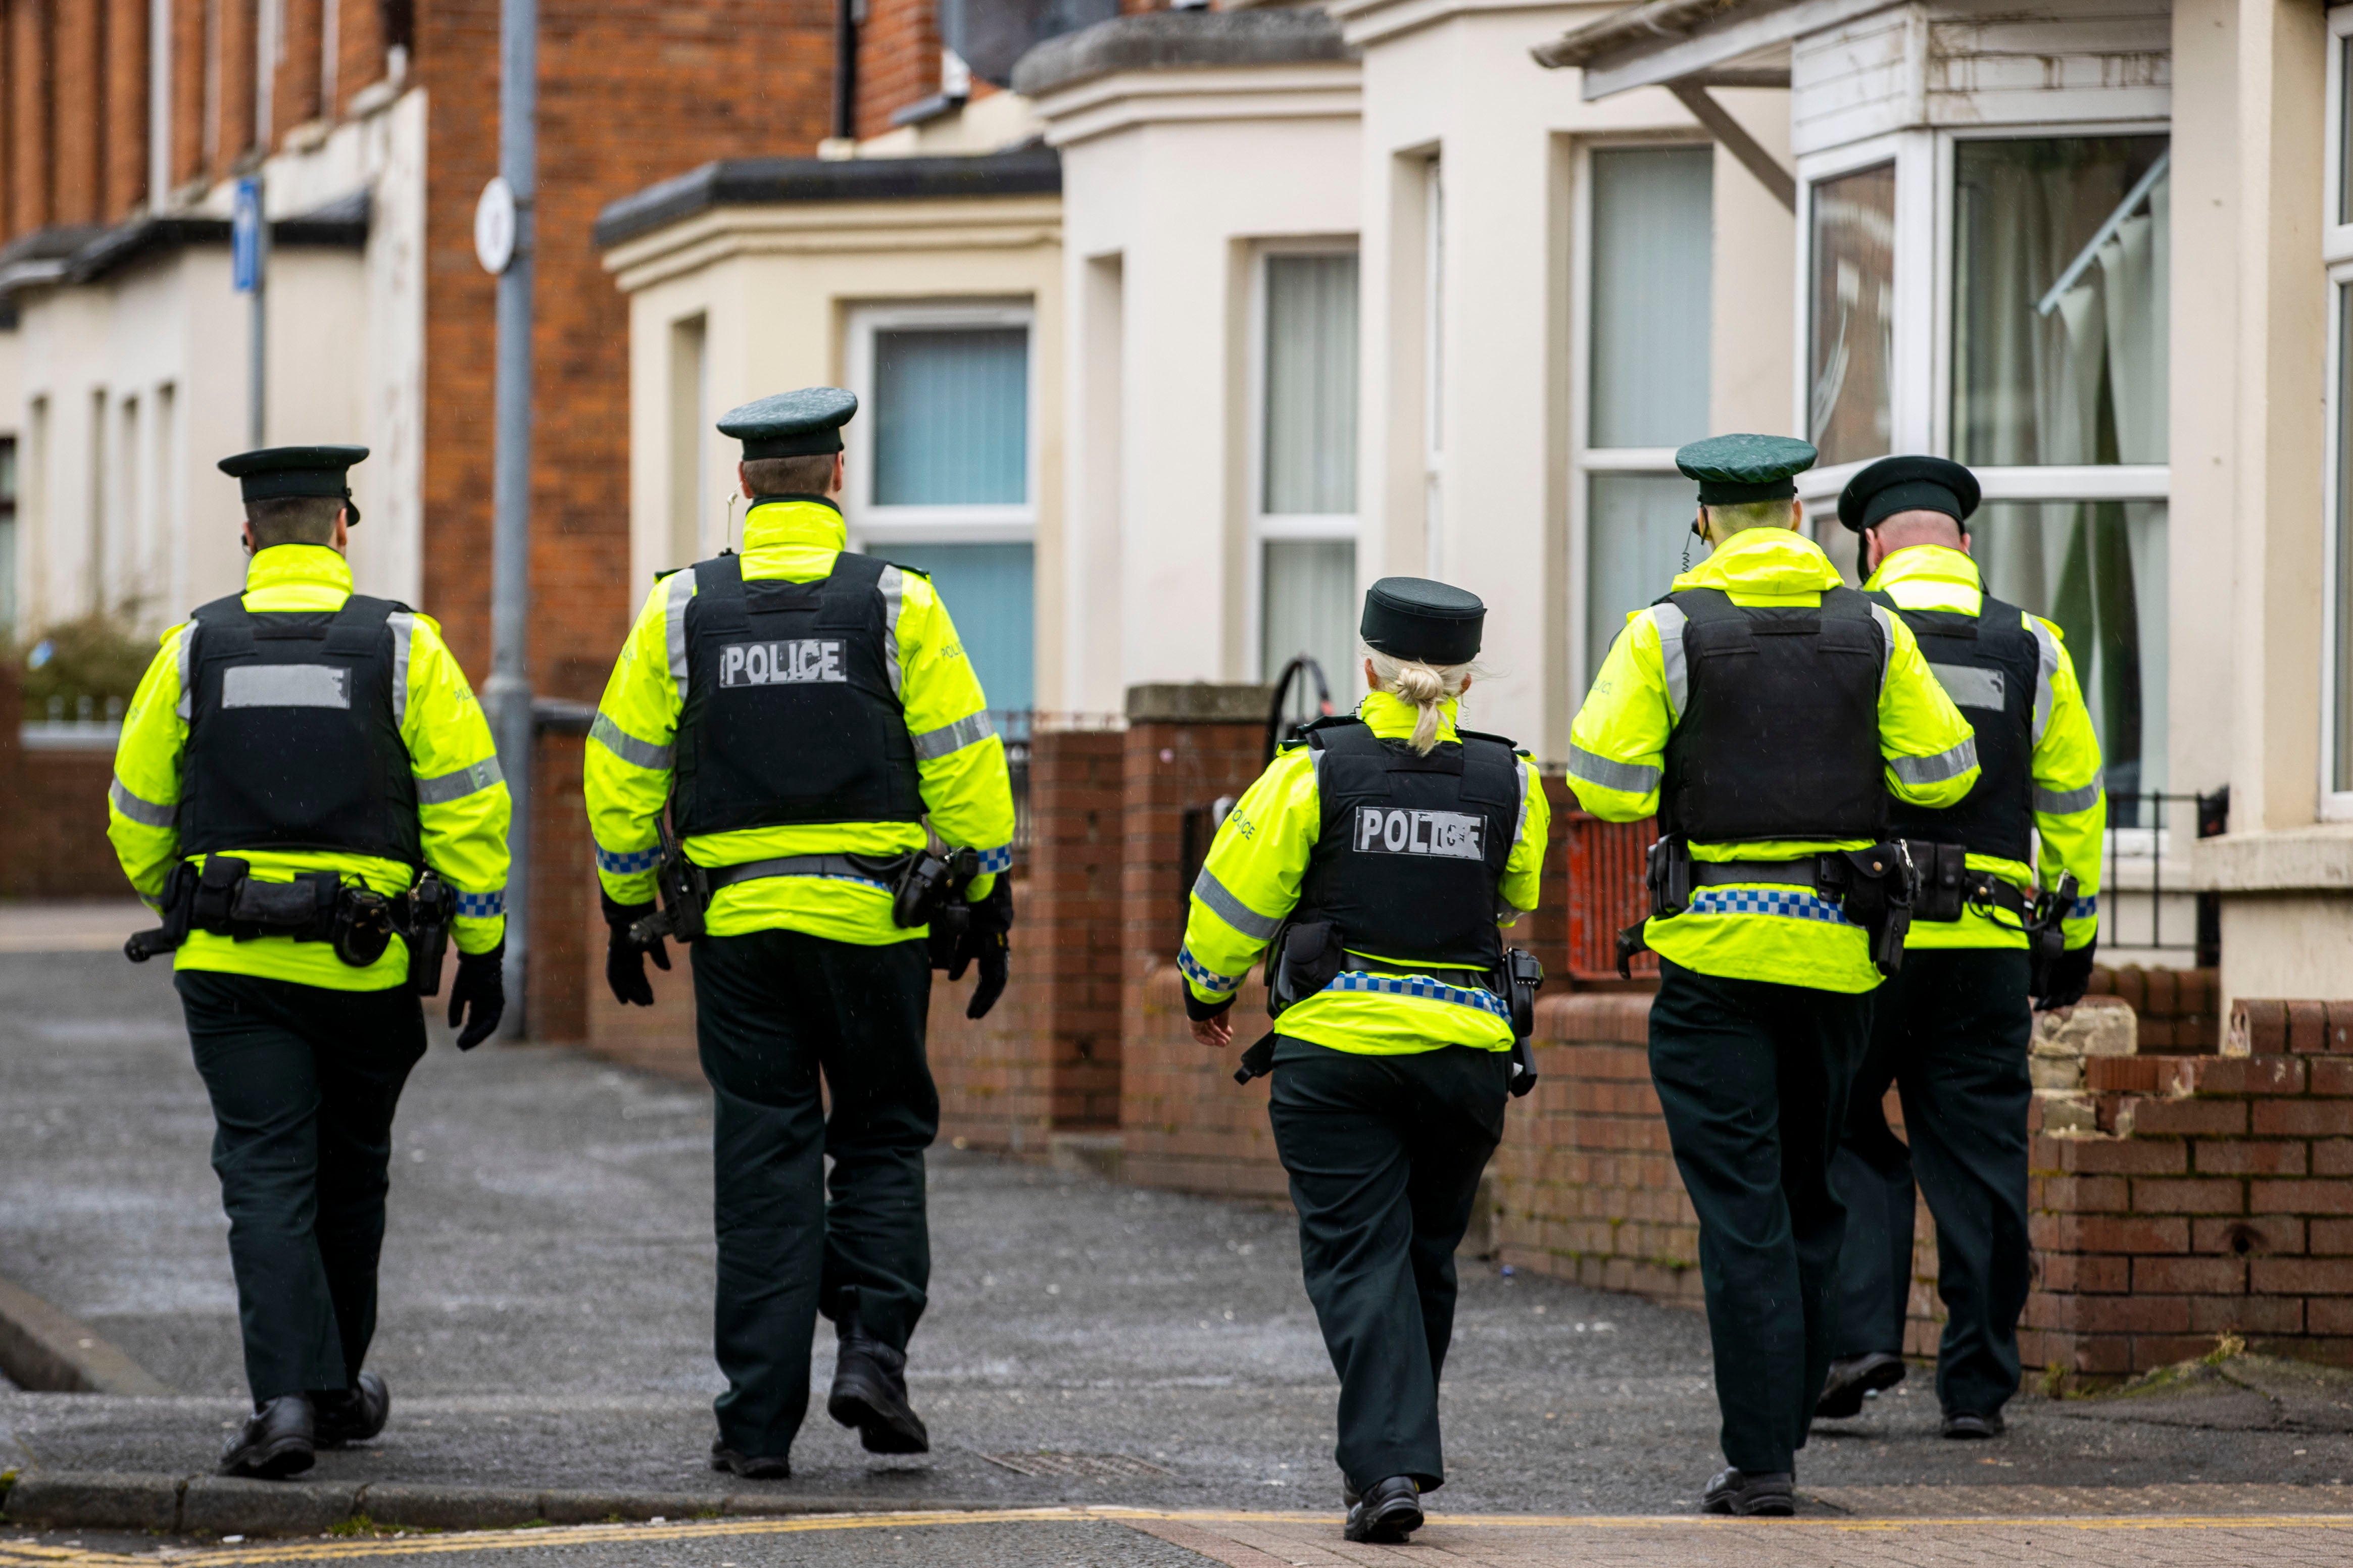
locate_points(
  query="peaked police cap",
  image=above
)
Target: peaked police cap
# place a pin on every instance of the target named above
(1414, 617)
(273, 471)
(1733, 470)
(1907, 484)
(802, 423)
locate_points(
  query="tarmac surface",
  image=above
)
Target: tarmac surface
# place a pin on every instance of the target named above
(546, 1324)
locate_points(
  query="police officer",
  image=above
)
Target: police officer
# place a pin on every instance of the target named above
(799, 711)
(307, 791)
(1951, 1030)
(1383, 848)
(1766, 713)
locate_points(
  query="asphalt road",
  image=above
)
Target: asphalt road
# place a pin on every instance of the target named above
(547, 1283)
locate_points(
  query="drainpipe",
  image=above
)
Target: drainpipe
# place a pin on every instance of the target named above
(845, 70)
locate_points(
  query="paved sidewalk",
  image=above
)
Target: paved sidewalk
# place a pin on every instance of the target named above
(548, 1279)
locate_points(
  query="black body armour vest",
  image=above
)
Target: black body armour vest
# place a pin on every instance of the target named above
(1410, 860)
(1990, 665)
(790, 716)
(1779, 735)
(293, 741)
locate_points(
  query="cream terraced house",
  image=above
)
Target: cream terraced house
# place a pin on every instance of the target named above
(1427, 287)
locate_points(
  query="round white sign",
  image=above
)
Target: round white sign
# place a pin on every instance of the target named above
(494, 226)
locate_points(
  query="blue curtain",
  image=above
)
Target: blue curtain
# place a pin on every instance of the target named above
(988, 590)
(951, 417)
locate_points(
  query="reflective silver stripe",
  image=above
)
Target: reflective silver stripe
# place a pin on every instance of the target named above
(1887, 641)
(1520, 828)
(969, 731)
(892, 586)
(2066, 802)
(2047, 643)
(466, 781)
(1232, 909)
(1970, 687)
(674, 615)
(144, 812)
(1946, 764)
(1670, 619)
(628, 747)
(404, 629)
(187, 647)
(1626, 778)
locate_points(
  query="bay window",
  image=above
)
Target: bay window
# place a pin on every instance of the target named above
(1305, 486)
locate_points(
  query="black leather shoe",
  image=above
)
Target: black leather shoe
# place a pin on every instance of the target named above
(1386, 1512)
(350, 1415)
(870, 1392)
(1970, 1425)
(1852, 1378)
(723, 1457)
(275, 1443)
(1770, 1494)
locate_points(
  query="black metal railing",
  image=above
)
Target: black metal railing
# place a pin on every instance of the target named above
(2141, 828)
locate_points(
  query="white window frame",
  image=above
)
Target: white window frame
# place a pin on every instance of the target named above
(1585, 460)
(2337, 257)
(1267, 526)
(881, 525)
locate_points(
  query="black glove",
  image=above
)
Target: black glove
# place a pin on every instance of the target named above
(625, 960)
(480, 986)
(2069, 976)
(985, 940)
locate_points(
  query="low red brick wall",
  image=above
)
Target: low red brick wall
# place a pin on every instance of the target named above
(52, 813)
(1187, 1126)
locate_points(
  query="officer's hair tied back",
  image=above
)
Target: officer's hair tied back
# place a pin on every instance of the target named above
(1426, 686)
(292, 519)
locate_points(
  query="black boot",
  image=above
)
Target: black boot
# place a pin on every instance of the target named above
(750, 1467)
(1771, 1494)
(351, 1414)
(870, 1392)
(276, 1442)
(1973, 1425)
(1853, 1377)
(1386, 1512)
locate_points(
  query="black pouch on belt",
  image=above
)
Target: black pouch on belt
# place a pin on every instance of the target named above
(303, 908)
(1943, 887)
(362, 926)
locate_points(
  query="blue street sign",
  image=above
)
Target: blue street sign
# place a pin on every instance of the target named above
(245, 236)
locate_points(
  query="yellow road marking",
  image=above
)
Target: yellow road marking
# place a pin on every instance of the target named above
(315, 1550)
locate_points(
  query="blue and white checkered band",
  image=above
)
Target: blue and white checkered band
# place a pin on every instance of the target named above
(627, 862)
(1786, 902)
(2085, 908)
(1206, 978)
(997, 859)
(1416, 986)
(482, 906)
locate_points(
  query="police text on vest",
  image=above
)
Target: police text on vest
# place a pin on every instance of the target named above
(798, 661)
(1391, 830)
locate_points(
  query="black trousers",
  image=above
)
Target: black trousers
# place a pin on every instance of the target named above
(1951, 1032)
(774, 1010)
(1384, 1155)
(304, 1084)
(1753, 1078)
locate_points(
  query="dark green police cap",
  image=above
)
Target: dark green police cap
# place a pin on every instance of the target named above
(1414, 617)
(804, 424)
(275, 471)
(1733, 470)
(1908, 483)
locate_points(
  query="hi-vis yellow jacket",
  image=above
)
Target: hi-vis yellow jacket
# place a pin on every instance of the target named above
(966, 789)
(1618, 750)
(1250, 883)
(2071, 808)
(462, 805)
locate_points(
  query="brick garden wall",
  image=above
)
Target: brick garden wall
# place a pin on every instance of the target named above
(53, 830)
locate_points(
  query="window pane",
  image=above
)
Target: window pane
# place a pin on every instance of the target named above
(2345, 131)
(1311, 385)
(2341, 765)
(1310, 608)
(2045, 375)
(951, 417)
(988, 594)
(1636, 528)
(2097, 569)
(1653, 228)
(1853, 314)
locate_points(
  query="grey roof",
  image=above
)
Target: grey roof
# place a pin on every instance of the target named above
(732, 181)
(1176, 40)
(340, 224)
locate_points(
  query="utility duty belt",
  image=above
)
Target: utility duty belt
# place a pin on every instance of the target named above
(1307, 956)
(1947, 886)
(921, 884)
(225, 898)
(1873, 887)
